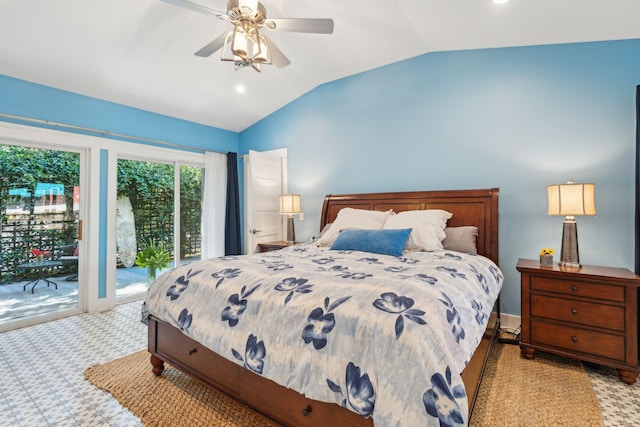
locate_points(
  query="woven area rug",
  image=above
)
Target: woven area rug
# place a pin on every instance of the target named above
(546, 391)
(172, 399)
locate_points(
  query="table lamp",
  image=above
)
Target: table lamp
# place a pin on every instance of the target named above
(571, 199)
(290, 205)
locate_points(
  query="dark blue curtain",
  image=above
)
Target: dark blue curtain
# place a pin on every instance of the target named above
(232, 241)
(637, 243)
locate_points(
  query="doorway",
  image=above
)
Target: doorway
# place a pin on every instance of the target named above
(265, 181)
(40, 219)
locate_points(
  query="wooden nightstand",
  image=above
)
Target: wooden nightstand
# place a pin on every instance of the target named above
(274, 246)
(589, 313)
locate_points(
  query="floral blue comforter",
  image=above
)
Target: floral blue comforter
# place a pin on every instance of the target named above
(386, 337)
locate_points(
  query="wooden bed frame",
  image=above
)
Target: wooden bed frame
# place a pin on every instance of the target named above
(288, 407)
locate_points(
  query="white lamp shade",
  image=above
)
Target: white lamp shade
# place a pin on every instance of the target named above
(240, 42)
(290, 204)
(262, 56)
(571, 199)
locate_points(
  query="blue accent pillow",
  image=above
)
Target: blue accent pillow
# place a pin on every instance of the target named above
(386, 242)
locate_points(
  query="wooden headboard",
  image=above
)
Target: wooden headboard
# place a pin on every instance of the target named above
(469, 207)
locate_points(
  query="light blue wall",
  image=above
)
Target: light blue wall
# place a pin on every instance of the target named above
(514, 118)
(21, 98)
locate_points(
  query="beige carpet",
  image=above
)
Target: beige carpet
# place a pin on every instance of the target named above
(547, 391)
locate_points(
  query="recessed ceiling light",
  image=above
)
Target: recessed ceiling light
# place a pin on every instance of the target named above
(500, 1)
(240, 89)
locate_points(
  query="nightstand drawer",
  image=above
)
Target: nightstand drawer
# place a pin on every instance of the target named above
(581, 312)
(577, 288)
(578, 340)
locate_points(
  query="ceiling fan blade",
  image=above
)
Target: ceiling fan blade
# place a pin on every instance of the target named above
(213, 46)
(186, 4)
(277, 57)
(301, 25)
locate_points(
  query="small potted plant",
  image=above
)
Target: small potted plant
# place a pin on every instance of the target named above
(152, 257)
(546, 257)
(40, 254)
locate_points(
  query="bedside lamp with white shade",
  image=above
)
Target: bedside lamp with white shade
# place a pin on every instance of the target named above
(571, 200)
(290, 206)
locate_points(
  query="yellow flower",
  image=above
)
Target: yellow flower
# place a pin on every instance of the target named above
(546, 251)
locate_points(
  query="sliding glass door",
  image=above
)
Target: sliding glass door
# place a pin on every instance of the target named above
(39, 238)
(158, 214)
(190, 223)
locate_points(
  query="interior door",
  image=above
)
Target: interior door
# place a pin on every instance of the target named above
(265, 180)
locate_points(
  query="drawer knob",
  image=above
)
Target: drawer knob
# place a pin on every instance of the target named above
(574, 339)
(191, 351)
(574, 311)
(574, 288)
(306, 411)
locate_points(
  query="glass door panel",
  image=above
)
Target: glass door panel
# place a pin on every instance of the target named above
(144, 225)
(190, 213)
(39, 217)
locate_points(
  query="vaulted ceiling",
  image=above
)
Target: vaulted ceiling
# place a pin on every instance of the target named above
(140, 53)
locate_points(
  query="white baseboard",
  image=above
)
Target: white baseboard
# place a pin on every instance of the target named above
(509, 321)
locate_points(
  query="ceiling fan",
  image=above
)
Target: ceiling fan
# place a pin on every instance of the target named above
(245, 45)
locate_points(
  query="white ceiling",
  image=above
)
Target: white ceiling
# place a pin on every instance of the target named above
(140, 52)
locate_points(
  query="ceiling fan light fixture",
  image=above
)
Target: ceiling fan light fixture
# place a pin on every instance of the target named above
(245, 47)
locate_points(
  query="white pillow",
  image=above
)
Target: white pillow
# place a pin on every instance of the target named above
(350, 219)
(427, 228)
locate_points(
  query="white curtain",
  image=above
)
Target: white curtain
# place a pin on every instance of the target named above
(214, 204)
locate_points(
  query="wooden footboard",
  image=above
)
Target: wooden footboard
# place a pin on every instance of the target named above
(283, 405)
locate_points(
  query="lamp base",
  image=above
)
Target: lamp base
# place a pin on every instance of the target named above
(291, 232)
(569, 253)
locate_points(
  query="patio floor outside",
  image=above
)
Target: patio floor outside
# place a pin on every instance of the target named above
(17, 302)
